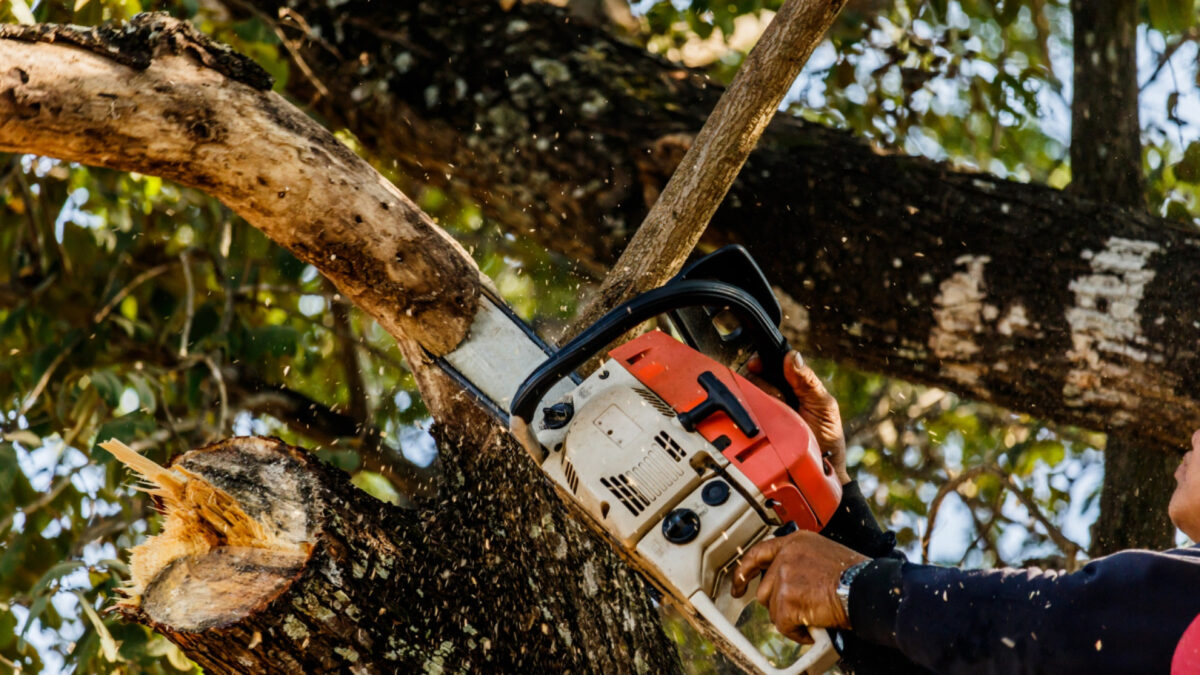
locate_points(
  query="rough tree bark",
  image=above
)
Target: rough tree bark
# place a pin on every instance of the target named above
(160, 99)
(672, 228)
(900, 264)
(1106, 166)
(342, 583)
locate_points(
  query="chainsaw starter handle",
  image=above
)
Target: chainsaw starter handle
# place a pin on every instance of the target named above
(772, 347)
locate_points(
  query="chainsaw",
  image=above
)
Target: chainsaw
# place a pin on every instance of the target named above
(680, 460)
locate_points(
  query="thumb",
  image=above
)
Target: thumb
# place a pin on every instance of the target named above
(804, 381)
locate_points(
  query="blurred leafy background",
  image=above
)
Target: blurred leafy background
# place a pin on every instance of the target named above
(134, 308)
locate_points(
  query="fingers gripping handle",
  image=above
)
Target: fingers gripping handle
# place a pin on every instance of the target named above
(819, 657)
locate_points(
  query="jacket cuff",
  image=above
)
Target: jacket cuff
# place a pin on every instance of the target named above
(854, 526)
(875, 601)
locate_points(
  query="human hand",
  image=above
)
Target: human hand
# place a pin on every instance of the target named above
(799, 588)
(818, 408)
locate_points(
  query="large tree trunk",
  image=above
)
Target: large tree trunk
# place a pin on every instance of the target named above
(1016, 294)
(158, 98)
(378, 589)
(1106, 166)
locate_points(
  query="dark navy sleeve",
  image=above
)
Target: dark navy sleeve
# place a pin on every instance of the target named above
(854, 526)
(1123, 613)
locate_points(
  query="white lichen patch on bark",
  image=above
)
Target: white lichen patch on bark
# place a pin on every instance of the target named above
(958, 316)
(1015, 321)
(1106, 332)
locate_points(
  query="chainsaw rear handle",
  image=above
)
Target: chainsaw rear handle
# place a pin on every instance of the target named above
(772, 347)
(723, 611)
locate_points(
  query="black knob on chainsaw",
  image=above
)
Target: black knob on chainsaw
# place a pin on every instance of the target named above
(681, 526)
(558, 415)
(715, 493)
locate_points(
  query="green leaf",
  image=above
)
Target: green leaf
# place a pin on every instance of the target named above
(1188, 168)
(35, 611)
(145, 392)
(275, 341)
(289, 266)
(1171, 16)
(108, 646)
(377, 486)
(126, 428)
(9, 470)
(109, 386)
(55, 572)
(8, 627)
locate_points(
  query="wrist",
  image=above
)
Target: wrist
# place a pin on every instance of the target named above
(875, 601)
(845, 581)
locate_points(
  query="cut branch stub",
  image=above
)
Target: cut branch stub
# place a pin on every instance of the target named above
(320, 597)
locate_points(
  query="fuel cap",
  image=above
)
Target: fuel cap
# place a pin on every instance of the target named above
(681, 526)
(715, 493)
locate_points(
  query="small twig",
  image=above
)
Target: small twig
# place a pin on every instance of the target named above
(1168, 54)
(1068, 547)
(288, 14)
(45, 499)
(297, 57)
(129, 288)
(936, 505)
(221, 392)
(45, 378)
(190, 303)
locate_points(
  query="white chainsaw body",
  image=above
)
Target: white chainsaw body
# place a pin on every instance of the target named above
(628, 462)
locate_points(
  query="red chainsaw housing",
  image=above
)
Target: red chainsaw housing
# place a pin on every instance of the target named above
(782, 459)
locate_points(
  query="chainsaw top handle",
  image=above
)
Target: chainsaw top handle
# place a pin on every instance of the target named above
(772, 347)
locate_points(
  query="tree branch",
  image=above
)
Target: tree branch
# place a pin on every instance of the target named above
(555, 117)
(173, 113)
(671, 229)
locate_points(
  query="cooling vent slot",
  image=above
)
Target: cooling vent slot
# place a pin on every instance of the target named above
(672, 447)
(655, 402)
(638, 487)
(572, 477)
(620, 487)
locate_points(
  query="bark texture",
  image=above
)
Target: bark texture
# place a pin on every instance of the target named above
(1106, 166)
(1106, 137)
(677, 218)
(495, 574)
(154, 111)
(379, 589)
(1016, 294)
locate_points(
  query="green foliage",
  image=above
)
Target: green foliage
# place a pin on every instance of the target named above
(103, 334)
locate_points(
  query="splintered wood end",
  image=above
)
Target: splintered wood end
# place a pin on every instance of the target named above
(200, 518)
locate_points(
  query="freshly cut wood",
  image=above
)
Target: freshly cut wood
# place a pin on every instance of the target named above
(200, 518)
(496, 575)
(316, 590)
